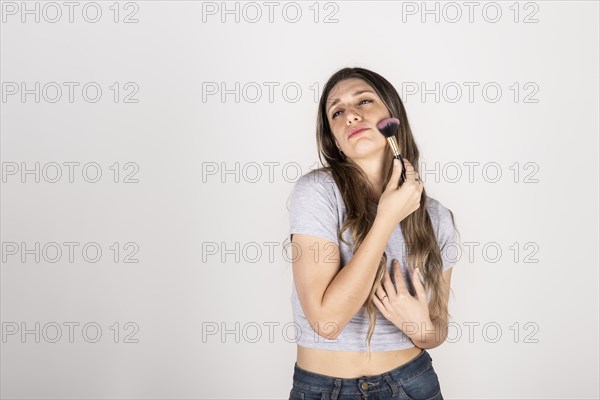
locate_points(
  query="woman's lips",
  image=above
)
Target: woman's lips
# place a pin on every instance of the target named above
(358, 132)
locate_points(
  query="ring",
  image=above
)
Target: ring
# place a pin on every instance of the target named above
(384, 297)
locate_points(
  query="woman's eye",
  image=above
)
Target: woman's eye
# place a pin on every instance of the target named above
(360, 102)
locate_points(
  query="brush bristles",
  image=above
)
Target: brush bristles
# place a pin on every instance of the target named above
(388, 127)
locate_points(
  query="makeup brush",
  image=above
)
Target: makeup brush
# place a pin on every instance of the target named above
(388, 128)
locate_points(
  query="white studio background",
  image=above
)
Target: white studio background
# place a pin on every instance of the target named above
(201, 128)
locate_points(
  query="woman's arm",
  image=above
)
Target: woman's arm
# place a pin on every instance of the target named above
(330, 297)
(435, 331)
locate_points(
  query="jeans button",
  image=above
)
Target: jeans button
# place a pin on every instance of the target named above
(364, 385)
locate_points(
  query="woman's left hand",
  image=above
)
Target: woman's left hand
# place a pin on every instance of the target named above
(410, 314)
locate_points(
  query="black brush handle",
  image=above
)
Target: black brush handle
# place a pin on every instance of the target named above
(403, 174)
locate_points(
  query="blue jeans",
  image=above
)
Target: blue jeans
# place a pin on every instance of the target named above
(414, 380)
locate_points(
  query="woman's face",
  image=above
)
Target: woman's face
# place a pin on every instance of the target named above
(353, 104)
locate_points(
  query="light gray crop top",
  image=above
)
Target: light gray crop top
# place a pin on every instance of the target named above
(317, 209)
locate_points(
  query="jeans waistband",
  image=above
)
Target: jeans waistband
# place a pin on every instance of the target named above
(312, 381)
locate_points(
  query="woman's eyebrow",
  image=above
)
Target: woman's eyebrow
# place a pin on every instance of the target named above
(335, 101)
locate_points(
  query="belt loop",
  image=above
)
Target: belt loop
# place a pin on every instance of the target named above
(392, 384)
(336, 390)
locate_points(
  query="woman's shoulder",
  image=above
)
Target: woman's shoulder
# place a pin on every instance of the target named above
(431, 203)
(441, 216)
(320, 177)
(316, 187)
(437, 211)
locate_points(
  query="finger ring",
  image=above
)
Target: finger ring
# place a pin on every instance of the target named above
(383, 297)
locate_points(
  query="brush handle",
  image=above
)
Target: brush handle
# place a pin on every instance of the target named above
(403, 174)
(396, 151)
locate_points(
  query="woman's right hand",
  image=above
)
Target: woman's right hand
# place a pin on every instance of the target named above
(398, 202)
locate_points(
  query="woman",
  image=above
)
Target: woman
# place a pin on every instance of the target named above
(358, 234)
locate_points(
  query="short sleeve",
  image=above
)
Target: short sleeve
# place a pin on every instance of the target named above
(313, 207)
(447, 237)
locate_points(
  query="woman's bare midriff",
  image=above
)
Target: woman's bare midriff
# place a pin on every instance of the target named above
(352, 364)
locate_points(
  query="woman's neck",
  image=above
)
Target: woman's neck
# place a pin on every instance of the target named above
(373, 168)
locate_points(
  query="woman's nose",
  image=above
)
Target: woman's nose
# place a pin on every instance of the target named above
(352, 115)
